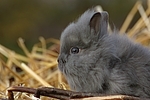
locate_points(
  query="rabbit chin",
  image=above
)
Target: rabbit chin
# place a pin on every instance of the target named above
(79, 84)
(87, 82)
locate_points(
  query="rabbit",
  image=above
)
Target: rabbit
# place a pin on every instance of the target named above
(95, 61)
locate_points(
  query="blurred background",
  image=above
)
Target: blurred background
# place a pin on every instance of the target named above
(31, 19)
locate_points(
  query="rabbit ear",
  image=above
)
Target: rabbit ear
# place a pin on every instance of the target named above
(99, 22)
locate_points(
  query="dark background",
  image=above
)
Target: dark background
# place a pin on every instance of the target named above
(30, 19)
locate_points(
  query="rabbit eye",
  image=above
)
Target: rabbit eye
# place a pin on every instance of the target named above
(74, 50)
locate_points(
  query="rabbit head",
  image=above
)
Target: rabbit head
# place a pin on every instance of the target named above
(80, 50)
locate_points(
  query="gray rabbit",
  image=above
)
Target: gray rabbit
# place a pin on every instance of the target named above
(92, 60)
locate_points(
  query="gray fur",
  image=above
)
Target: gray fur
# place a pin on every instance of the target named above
(106, 63)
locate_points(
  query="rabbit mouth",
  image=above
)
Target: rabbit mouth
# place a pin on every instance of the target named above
(61, 63)
(60, 67)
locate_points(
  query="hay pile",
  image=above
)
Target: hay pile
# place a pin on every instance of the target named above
(38, 67)
(140, 31)
(34, 69)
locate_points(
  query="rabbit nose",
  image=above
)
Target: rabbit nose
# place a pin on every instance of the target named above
(60, 60)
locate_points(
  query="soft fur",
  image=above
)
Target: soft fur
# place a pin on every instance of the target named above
(106, 63)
